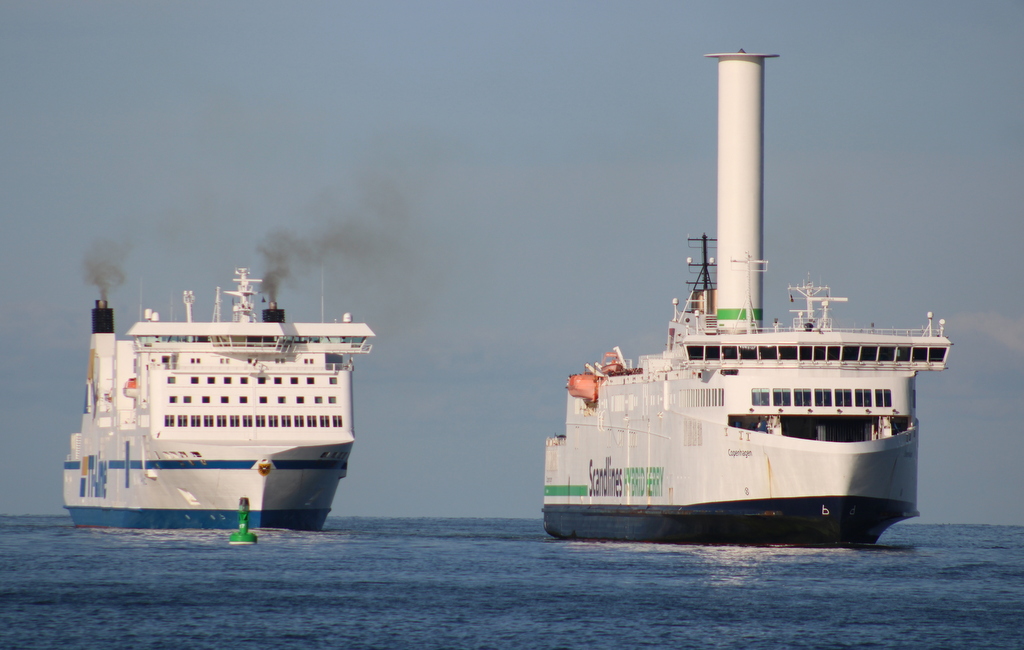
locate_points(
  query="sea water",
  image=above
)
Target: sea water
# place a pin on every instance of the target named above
(501, 583)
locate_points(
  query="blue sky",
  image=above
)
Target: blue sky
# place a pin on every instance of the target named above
(525, 175)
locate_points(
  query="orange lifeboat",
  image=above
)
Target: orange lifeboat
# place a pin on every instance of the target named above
(612, 364)
(131, 388)
(584, 386)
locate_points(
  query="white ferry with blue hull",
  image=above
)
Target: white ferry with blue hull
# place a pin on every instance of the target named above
(184, 418)
(740, 432)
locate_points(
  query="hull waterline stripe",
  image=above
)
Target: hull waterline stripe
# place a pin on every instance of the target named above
(216, 464)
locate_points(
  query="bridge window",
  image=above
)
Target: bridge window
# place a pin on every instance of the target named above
(807, 353)
(920, 354)
(903, 354)
(712, 353)
(833, 353)
(787, 352)
(886, 353)
(748, 352)
(729, 352)
(768, 352)
(695, 352)
(869, 353)
(851, 352)
(936, 354)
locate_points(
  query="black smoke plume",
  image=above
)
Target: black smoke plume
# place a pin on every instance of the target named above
(370, 242)
(102, 265)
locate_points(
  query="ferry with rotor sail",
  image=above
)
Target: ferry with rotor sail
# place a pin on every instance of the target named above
(741, 432)
(184, 419)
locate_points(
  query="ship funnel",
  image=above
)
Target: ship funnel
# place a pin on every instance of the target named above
(102, 318)
(740, 190)
(273, 314)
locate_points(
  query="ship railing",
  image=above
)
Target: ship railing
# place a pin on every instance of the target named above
(240, 367)
(900, 332)
(556, 441)
(709, 327)
(681, 361)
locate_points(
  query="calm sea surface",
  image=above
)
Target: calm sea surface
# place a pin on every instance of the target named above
(500, 583)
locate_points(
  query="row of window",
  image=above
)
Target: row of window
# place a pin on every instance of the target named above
(199, 360)
(244, 399)
(822, 397)
(250, 341)
(848, 353)
(259, 380)
(284, 421)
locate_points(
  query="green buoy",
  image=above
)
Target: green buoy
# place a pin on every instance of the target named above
(243, 536)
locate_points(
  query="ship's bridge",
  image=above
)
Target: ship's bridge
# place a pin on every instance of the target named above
(337, 338)
(835, 349)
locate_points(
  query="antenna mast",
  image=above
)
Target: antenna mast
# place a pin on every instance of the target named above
(216, 307)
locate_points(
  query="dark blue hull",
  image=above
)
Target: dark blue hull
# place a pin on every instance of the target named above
(808, 520)
(209, 519)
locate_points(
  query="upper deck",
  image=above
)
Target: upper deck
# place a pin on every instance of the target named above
(337, 338)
